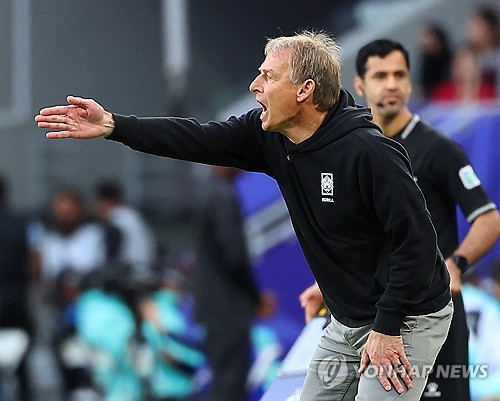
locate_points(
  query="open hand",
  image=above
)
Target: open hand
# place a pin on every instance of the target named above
(386, 353)
(81, 119)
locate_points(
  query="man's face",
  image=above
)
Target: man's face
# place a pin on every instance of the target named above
(67, 211)
(276, 94)
(386, 85)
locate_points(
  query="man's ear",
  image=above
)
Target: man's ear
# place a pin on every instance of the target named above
(358, 85)
(305, 90)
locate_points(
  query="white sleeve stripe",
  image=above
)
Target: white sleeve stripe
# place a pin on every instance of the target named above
(478, 212)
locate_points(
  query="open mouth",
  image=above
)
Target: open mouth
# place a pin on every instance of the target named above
(264, 110)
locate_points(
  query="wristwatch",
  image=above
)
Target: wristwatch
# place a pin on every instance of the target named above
(460, 261)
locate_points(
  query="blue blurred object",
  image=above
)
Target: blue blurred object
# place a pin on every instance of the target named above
(176, 347)
(107, 326)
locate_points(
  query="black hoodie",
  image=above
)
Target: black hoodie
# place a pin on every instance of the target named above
(360, 218)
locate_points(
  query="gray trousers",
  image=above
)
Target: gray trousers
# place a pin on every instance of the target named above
(332, 374)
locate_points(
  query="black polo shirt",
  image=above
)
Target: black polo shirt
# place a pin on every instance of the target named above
(446, 177)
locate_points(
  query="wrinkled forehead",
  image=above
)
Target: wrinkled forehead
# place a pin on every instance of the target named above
(278, 60)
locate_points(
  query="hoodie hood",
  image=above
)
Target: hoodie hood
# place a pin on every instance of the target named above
(345, 116)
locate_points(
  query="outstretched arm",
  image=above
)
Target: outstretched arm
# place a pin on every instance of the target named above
(80, 119)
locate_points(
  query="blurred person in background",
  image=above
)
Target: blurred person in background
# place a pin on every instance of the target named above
(71, 239)
(467, 83)
(226, 294)
(482, 34)
(106, 324)
(435, 57)
(15, 277)
(71, 247)
(138, 244)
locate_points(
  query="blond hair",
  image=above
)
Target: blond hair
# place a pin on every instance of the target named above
(316, 56)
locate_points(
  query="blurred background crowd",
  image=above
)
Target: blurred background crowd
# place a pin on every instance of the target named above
(99, 244)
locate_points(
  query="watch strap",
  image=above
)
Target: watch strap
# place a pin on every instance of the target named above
(460, 261)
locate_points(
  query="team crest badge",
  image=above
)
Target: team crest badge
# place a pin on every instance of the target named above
(327, 187)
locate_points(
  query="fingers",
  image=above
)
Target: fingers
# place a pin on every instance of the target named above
(406, 371)
(44, 121)
(77, 101)
(405, 375)
(305, 296)
(392, 375)
(388, 376)
(383, 376)
(310, 313)
(407, 365)
(58, 135)
(57, 120)
(303, 299)
(392, 371)
(53, 122)
(365, 360)
(55, 110)
(398, 369)
(306, 301)
(311, 309)
(311, 300)
(73, 101)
